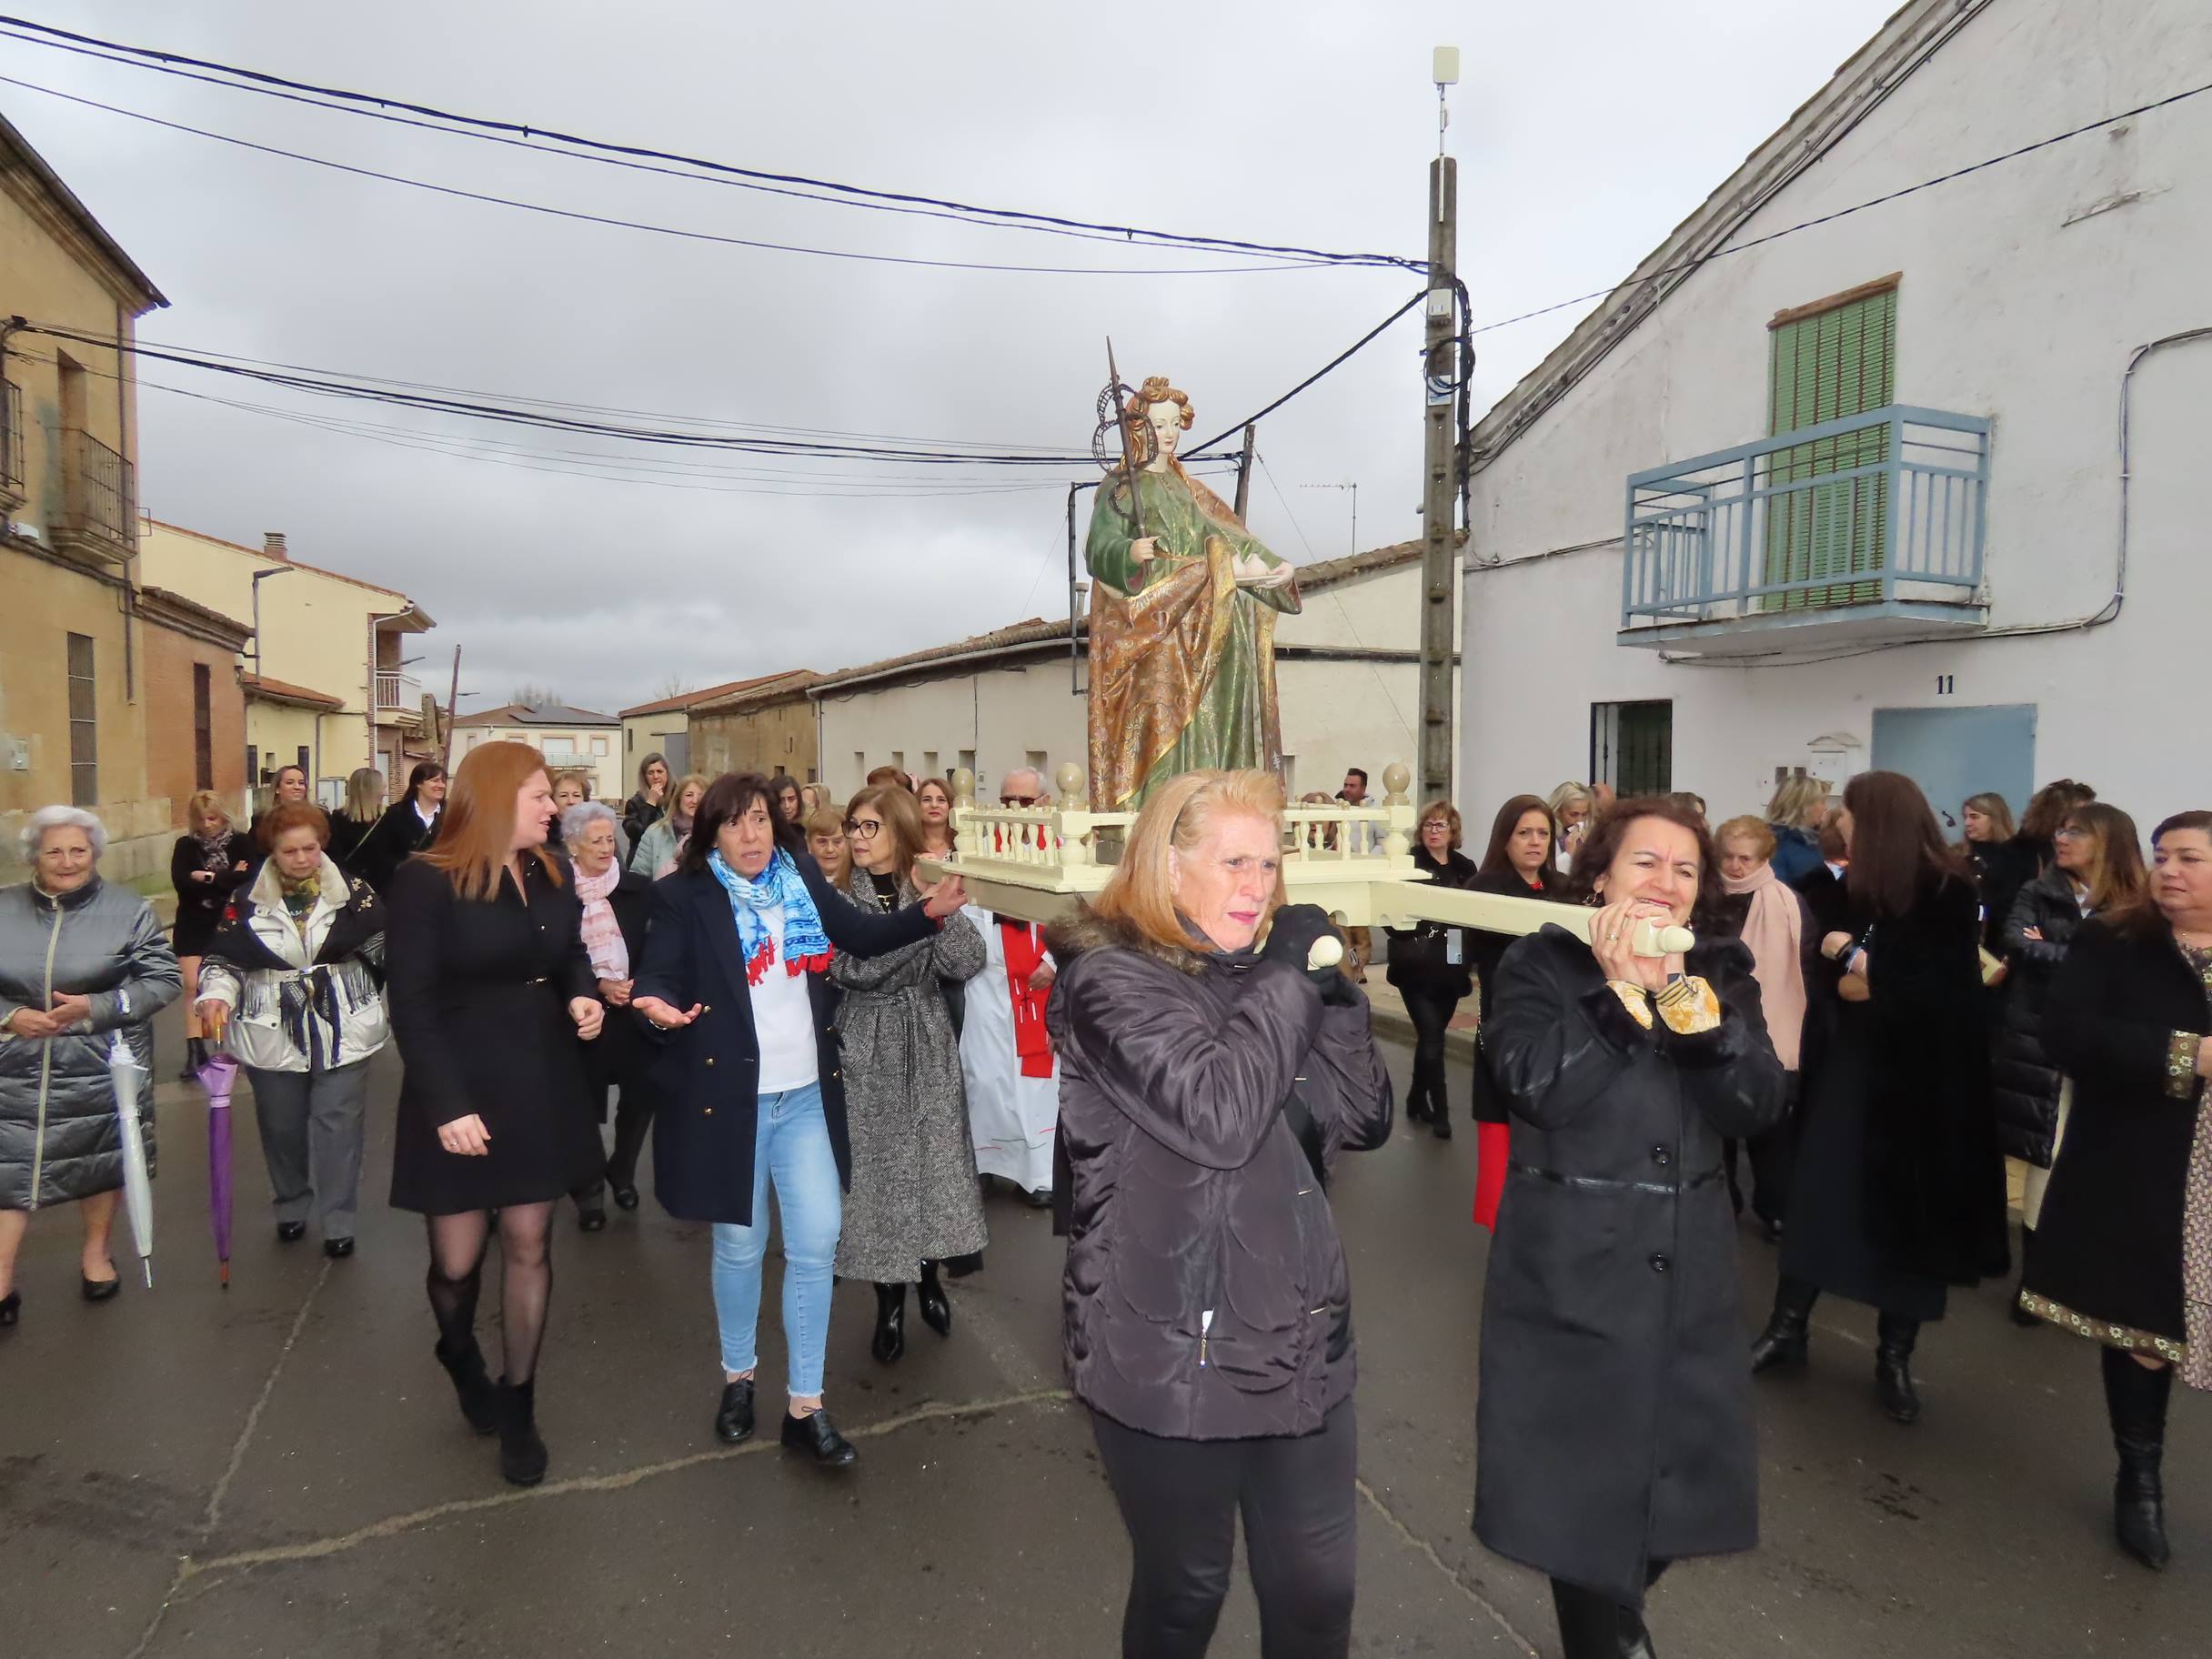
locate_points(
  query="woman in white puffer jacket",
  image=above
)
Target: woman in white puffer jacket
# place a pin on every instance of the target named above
(294, 980)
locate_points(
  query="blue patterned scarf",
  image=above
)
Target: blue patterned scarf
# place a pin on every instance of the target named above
(804, 947)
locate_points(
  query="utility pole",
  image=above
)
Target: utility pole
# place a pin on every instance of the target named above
(1244, 475)
(1439, 552)
(453, 709)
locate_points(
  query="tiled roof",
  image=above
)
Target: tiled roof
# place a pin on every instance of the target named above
(789, 684)
(537, 714)
(685, 699)
(284, 691)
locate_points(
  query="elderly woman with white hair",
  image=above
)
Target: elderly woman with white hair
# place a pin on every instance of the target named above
(617, 902)
(80, 961)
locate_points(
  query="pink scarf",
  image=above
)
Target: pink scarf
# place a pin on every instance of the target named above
(602, 932)
(1775, 931)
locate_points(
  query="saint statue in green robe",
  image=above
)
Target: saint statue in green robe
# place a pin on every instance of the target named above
(1183, 623)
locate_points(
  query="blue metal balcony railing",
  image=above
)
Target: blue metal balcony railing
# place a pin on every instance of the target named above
(1870, 509)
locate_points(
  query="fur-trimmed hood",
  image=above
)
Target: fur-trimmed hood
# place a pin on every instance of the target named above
(1074, 935)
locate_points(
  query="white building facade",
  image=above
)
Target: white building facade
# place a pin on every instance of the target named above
(1347, 675)
(571, 739)
(1985, 403)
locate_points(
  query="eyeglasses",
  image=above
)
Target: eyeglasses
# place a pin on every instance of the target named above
(1017, 800)
(2074, 832)
(863, 829)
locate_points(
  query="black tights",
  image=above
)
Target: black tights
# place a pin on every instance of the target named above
(1431, 1012)
(526, 1280)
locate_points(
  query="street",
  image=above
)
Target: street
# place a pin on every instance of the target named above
(280, 1469)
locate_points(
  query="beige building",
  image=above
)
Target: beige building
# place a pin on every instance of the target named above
(768, 727)
(1347, 670)
(331, 685)
(571, 739)
(114, 695)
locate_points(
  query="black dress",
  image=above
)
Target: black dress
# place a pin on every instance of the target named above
(199, 904)
(1899, 1186)
(2125, 1012)
(479, 999)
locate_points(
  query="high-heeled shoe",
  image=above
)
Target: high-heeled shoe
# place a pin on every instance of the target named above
(890, 1341)
(936, 1307)
(480, 1402)
(11, 1309)
(101, 1289)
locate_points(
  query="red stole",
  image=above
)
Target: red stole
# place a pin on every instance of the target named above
(1024, 945)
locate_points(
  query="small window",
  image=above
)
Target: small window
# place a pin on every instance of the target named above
(967, 760)
(202, 727)
(859, 767)
(598, 746)
(1632, 747)
(1036, 762)
(929, 763)
(84, 725)
(252, 764)
(898, 759)
(302, 762)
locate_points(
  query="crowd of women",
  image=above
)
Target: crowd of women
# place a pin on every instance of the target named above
(774, 986)
(1920, 1010)
(784, 999)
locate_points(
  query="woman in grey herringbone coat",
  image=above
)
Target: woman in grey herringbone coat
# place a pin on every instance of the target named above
(913, 1201)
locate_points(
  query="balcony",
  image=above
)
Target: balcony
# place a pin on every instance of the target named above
(398, 699)
(1860, 530)
(11, 444)
(99, 516)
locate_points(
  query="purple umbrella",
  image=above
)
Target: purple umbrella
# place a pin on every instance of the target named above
(218, 1077)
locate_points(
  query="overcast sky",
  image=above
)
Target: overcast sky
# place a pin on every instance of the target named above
(1585, 132)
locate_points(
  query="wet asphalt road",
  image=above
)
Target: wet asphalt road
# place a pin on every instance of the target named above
(279, 1470)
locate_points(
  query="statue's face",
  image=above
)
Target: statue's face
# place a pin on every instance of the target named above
(1167, 424)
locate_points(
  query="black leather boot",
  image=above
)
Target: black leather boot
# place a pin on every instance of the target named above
(522, 1455)
(195, 1056)
(936, 1308)
(1786, 1343)
(1892, 1367)
(890, 1323)
(1417, 1102)
(465, 1367)
(2136, 1399)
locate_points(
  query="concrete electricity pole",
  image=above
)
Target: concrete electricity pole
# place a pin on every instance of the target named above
(1439, 463)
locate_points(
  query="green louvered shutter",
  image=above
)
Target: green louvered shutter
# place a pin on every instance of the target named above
(1833, 364)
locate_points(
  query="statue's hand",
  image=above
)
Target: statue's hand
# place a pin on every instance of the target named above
(1143, 550)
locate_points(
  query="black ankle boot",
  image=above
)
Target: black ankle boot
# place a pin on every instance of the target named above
(465, 1367)
(1892, 1367)
(522, 1455)
(195, 1056)
(936, 1309)
(890, 1323)
(1786, 1343)
(2136, 1400)
(1417, 1105)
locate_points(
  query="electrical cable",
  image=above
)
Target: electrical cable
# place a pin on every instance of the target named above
(612, 222)
(1357, 345)
(1689, 266)
(378, 106)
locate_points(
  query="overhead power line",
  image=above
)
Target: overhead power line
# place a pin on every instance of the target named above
(579, 216)
(1955, 174)
(381, 107)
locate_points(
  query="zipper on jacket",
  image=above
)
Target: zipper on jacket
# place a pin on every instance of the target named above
(45, 1059)
(1205, 1324)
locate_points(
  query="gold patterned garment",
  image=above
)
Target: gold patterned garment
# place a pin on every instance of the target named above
(1183, 659)
(2196, 1209)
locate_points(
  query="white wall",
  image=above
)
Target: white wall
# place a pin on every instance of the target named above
(2006, 309)
(570, 750)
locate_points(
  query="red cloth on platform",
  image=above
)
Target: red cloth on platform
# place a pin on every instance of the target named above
(1024, 955)
(1492, 1146)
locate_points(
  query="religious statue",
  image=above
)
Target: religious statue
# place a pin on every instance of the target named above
(1183, 602)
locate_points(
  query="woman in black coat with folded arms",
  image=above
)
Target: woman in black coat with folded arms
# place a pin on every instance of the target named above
(735, 963)
(490, 988)
(1429, 967)
(2124, 1255)
(1207, 1080)
(1899, 1187)
(1614, 1428)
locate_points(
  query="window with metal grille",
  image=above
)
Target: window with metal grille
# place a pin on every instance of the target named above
(203, 729)
(1827, 362)
(1632, 747)
(84, 725)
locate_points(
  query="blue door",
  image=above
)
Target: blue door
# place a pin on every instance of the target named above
(1952, 753)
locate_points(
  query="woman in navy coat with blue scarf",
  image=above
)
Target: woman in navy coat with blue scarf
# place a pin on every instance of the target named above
(742, 934)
